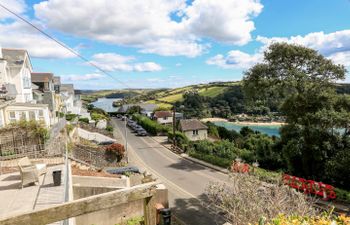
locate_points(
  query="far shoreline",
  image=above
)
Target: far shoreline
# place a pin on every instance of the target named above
(248, 123)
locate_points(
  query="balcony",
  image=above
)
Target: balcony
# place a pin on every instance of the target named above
(8, 91)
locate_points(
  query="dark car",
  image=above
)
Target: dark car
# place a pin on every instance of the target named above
(123, 170)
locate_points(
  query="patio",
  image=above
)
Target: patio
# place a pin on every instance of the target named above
(15, 200)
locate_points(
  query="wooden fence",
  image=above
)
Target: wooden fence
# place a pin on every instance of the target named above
(89, 205)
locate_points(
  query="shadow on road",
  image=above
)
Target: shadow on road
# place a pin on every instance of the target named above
(194, 212)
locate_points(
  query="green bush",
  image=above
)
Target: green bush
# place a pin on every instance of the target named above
(152, 127)
(180, 138)
(69, 128)
(212, 159)
(109, 128)
(342, 195)
(70, 116)
(84, 120)
(98, 116)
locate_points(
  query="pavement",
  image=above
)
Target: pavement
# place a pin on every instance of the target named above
(15, 200)
(186, 180)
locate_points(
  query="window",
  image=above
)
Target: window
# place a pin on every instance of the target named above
(164, 118)
(31, 115)
(41, 115)
(27, 97)
(22, 115)
(195, 132)
(26, 82)
(12, 116)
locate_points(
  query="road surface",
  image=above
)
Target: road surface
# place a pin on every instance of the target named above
(185, 180)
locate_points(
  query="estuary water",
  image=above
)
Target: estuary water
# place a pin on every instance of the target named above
(266, 129)
(106, 104)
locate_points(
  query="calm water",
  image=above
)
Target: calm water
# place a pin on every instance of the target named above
(106, 104)
(266, 129)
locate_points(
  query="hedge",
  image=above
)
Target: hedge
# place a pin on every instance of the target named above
(152, 127)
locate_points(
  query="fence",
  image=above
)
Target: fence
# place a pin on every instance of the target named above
(91, 204)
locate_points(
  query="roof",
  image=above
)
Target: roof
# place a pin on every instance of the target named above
(68, 88)
(161, 114)
(192, 124)
(14, 57)
(42, 77)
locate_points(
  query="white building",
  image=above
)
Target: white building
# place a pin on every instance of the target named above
(16, 98)
(71, 103)
(18, 70)
(163, 117)
(194, 129)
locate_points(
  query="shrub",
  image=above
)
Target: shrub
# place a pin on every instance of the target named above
(225, 163)
(84, 120)
(70, 116)
(180, 138)
(109, 128)
(69, 128)
(152, 127)
(297, 219)
(114, 152)
(245, 199)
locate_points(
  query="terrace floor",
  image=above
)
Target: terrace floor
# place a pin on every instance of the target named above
(15, 200)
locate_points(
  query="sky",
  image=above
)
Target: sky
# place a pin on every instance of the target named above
(169, 43)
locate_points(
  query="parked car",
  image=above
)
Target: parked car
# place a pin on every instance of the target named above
(141, 133)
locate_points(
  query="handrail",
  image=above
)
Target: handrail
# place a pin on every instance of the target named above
(88, 205)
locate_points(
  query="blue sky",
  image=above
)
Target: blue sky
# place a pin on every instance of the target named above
(170, 43)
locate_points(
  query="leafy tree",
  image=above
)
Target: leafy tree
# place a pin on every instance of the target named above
(246, 131)
(300, 81)
(194, 105)
(134, 109)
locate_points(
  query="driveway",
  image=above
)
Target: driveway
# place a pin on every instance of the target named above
(185, 180)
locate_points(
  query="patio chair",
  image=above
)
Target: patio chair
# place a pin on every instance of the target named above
(30, 172)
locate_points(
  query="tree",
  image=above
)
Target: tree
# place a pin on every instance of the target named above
(134, 109)
(301, 82)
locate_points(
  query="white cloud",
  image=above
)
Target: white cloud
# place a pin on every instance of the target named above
(335, 46)
(17, 6)
(225, 20)
(149, 25)
(116, 62)
(19, 35)
(86, 77)
(235, 60)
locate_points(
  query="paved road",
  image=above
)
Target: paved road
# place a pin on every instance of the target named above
(186, 181)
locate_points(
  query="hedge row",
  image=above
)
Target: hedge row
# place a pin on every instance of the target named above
(152, 127)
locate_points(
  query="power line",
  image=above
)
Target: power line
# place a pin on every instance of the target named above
(63, 45)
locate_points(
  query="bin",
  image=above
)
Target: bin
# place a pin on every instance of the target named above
(56, 177)
(165, 216)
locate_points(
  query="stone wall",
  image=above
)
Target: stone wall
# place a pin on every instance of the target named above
(93, 156)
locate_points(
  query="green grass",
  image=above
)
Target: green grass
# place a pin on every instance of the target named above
(172, 98)
(212, 91)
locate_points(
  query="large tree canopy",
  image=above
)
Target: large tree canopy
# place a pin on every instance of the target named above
(301, 82)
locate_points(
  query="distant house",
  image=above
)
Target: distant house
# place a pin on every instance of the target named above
(148, 109)
(194, 129)
(163, 117)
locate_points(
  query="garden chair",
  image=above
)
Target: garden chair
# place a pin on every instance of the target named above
(30, 172)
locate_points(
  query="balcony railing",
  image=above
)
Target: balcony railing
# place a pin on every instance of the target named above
(8, 91)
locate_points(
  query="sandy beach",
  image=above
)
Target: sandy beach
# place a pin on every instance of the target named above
(216, 119)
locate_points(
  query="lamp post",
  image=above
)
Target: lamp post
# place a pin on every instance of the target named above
(126, 140)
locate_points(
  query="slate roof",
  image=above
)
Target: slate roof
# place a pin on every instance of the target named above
(14, 57)
(162, 114)
(192, 124)
(42, 77)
